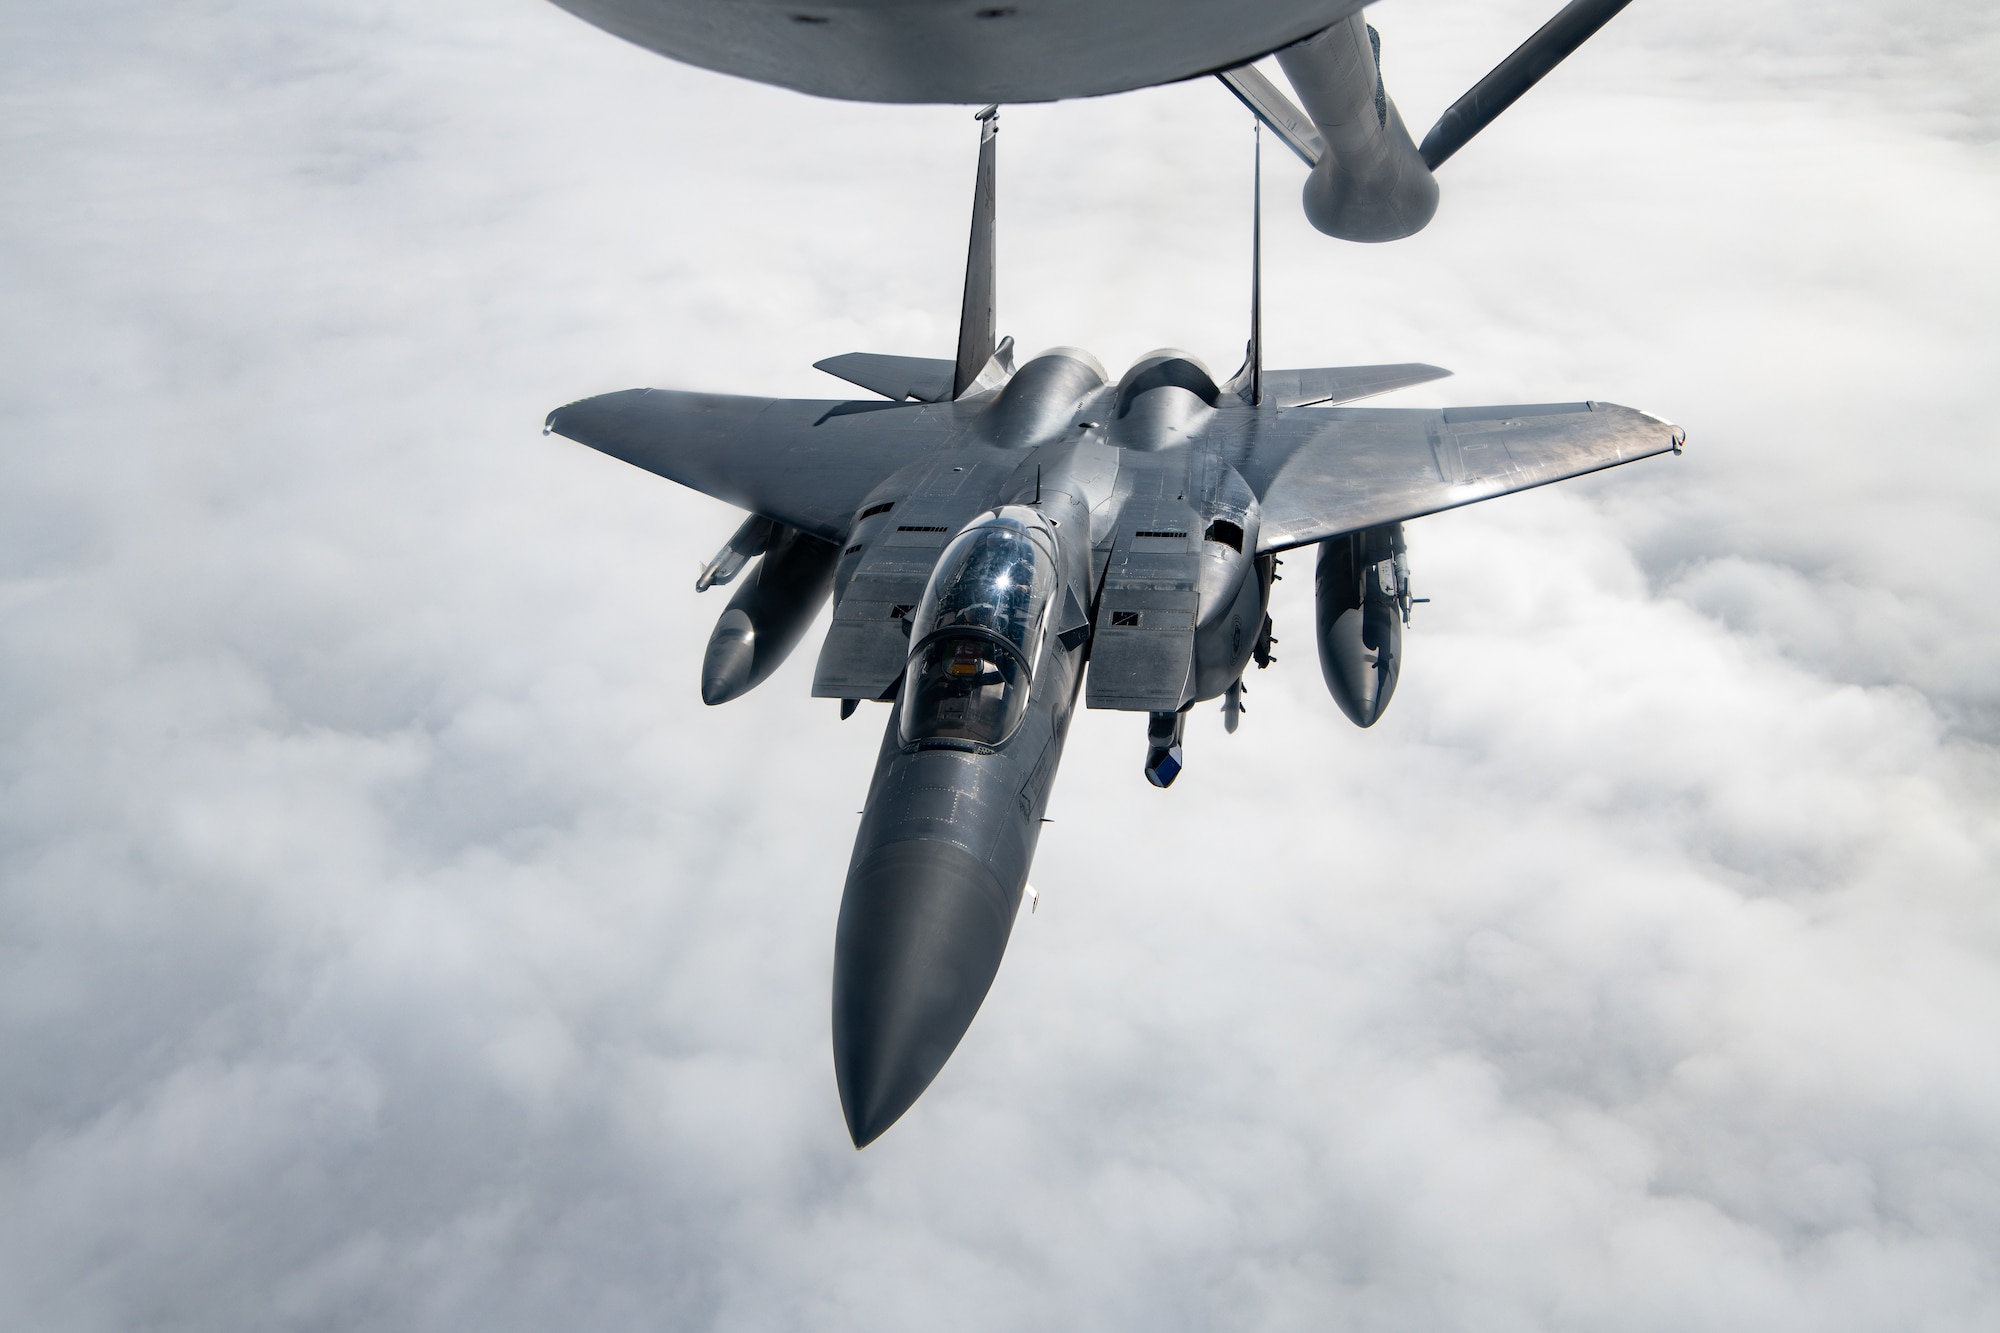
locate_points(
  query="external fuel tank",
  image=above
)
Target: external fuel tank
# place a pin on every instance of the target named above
(1361, 595)
(768, 615)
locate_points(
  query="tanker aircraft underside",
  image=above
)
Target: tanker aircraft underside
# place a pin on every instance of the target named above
(987, 532)
(1370, 180)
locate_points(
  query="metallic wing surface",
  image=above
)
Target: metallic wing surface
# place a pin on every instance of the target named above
(806, 463)
(1321, 472)
(1318, 472)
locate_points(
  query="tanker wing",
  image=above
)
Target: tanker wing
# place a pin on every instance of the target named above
(1320, 472)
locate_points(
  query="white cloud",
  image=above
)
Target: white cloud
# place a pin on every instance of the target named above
(392, 940)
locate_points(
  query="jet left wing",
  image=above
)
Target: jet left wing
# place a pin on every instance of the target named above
(807, 463)
(1323, 471)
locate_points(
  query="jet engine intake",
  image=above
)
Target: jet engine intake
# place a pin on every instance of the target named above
(1371, 184)
(1362, 598)
(768, 615)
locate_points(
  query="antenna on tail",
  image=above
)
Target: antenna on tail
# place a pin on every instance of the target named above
(975, 320)
(1249, 381)
(1256, 350)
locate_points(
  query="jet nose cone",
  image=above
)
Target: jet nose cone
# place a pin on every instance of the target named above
(922, 928)
(731, 656)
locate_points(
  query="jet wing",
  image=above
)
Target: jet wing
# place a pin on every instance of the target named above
(804, 462)
(1324, 471)
(1343, 384)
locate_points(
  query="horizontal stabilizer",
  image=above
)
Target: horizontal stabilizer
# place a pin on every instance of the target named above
(924, 378)
(1343, 384)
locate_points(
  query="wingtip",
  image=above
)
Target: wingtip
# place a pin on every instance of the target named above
(552, 424)
(1677, 437)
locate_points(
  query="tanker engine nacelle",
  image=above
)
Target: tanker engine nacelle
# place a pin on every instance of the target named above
(1362, 599)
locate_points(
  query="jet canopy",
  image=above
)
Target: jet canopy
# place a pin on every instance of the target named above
(979, 630)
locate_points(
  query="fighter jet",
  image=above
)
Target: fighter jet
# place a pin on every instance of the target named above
(1369, 180)
(1002, 542)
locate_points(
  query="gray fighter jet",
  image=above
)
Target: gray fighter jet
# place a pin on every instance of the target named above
(1001, 542)
(1369, 181)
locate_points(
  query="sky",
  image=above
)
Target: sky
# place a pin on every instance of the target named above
(390, 939)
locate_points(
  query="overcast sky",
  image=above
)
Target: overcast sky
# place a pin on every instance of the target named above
(390, 939)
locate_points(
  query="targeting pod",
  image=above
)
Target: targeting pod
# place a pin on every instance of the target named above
(1362, 598)
(769, 613)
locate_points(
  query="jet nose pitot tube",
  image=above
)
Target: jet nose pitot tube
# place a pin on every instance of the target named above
(769, 613)
(1362, 596)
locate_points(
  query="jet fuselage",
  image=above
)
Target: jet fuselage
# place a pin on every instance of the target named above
(1110, 496)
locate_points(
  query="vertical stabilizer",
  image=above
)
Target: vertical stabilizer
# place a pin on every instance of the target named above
(975, 320)
(1256, 351)
(1249, 381)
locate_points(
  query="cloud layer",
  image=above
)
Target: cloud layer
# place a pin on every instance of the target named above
(391, 939)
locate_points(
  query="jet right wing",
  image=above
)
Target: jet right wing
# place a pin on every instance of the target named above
(1323, 471)
(804, 462)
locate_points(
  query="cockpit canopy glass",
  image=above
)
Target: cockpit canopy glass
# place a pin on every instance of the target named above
(979, 630)
(964, 689)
